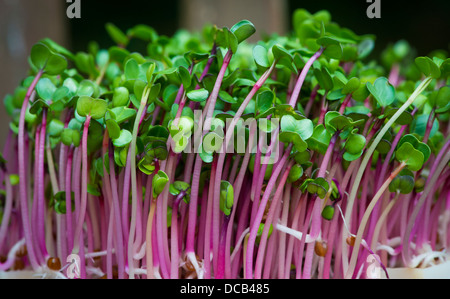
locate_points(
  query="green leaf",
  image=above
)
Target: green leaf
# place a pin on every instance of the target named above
(44, 59)
(403, 182)
(226, 39)
(124, 139)
(294, 138)
(199, 95)
(354, 147)
(365, 48)
(420, 146)
(93, 189)
(295, 174)
(116, 34)
(324, 78)
(212, 142)
(70, 136)
(185, 76)
(440, 99)
(45, 89)
(132, 70)
(56, 64)
(428, 67)
(318, 186)
(14, 179)
(226, 197)
(121, 97)
(177, 187)
(334, 121)
(86, 63)
(303, 127)
(412, 157)
(404, 119)
(352, 85)
(226, 97)
(320, 139)
(84, 105)
(260, 56)
(333, 51)
(40, 54)
(55, 128)
(61, 93)
(86, 88)
(122, 114)
(328, 213)
(264, 102)
(382, 91)
(243, 30)
(160, 181)
(113, 129)
(98, 108)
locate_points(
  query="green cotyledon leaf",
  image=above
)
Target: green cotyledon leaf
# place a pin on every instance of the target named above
(382, 91)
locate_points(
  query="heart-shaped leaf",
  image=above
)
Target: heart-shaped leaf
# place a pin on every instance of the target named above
(403, 182)
(420, 146)
(428, 67)
(96, 108)
(44, 59)
(412, 157)
(303, 127)
(320, 139)
(382, 91)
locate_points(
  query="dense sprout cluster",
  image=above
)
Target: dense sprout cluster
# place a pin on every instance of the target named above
(206, 156)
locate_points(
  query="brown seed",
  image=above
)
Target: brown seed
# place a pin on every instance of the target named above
(54, 264)
(189, 265)
(22, 252)
(351, 241)
(115, 272)
(320, 249)
(18, 265)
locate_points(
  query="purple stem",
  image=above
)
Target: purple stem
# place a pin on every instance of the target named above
(68, 189)
(120, 255)
(84, 194)
(302, 77)
(23, 174)
(174, 236)
(260, 213)
(190, 240)
(270, 218)
(220, 271)
(41, 187)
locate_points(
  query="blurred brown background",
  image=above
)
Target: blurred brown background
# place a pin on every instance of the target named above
(23, 22)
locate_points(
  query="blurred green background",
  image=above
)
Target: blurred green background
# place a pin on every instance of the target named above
(425, 24)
